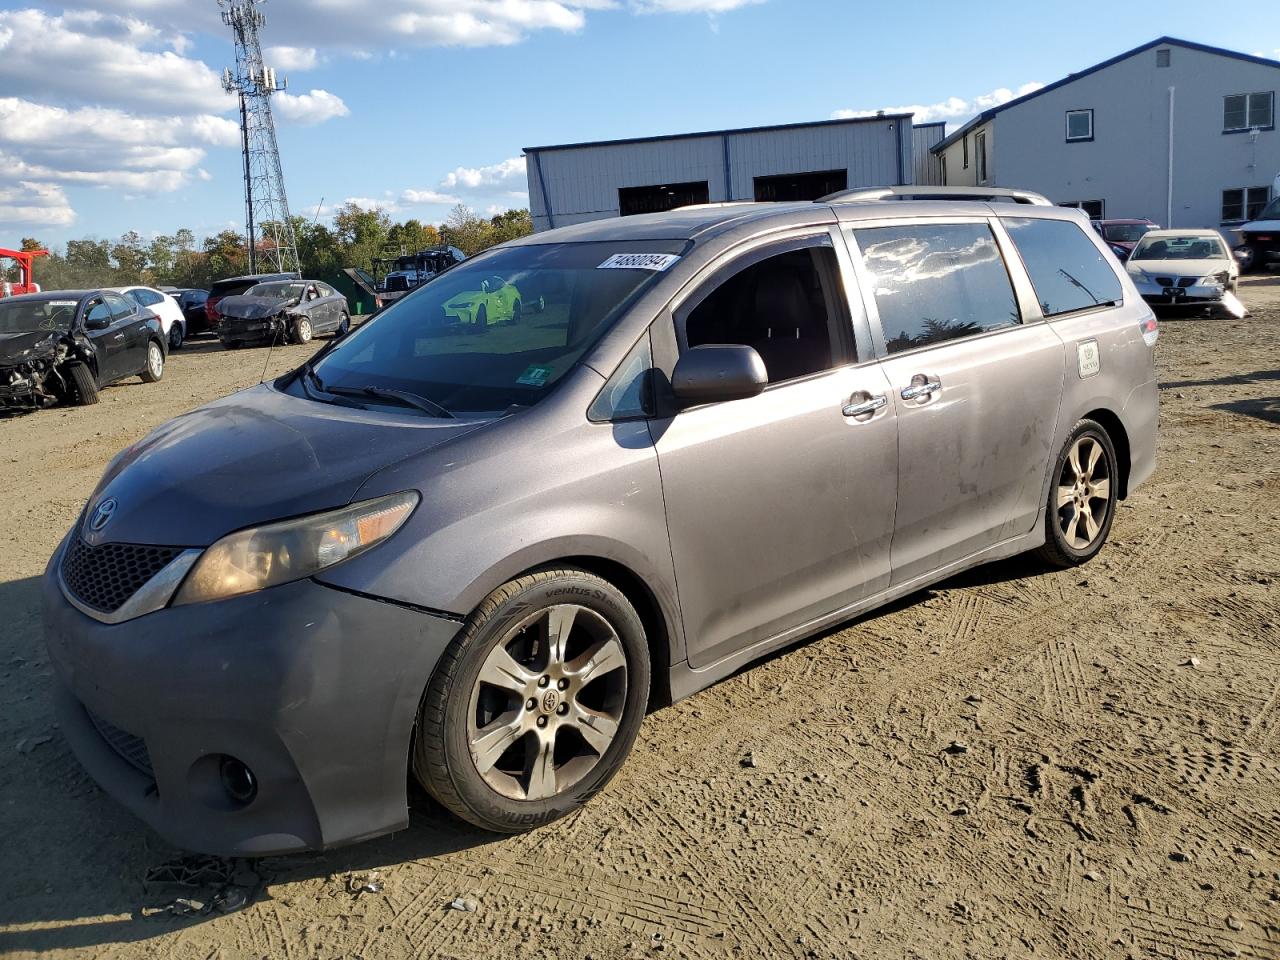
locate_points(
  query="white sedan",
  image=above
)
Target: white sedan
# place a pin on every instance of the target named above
(1185, 269)
(166, 309)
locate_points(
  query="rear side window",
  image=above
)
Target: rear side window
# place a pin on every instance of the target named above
(1068, 271)
(937, 282)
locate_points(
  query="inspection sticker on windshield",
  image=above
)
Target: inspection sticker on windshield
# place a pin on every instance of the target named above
(656, 262)
(62, 303)
(534, 376)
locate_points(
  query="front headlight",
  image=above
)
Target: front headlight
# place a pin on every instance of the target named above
(277, 553)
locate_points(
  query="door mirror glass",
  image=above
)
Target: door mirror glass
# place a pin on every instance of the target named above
(714, 372)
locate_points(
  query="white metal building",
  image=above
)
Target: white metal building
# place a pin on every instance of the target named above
(573, 183)
(1177, 132)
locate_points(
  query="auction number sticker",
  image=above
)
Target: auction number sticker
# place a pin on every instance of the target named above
(62, 303)
(1090, 362)
(656, 262)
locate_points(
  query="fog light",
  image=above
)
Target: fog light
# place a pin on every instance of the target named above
(238, 780)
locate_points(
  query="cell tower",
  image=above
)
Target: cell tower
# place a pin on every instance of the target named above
(266, 206)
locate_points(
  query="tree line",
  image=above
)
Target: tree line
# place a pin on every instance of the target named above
(356, 236)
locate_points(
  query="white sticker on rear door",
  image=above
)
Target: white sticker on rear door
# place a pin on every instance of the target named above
(640, 261)
(1088, 358)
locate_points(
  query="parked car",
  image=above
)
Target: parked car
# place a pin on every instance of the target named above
(192, 304)
(1185, 269)
(494, 301)
(1123, 235)
(730, 429)
(1260, 238)
(63, 346)
(233, 287)
(293, 310)
(164, 307)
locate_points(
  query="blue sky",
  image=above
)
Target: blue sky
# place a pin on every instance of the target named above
(417, 104)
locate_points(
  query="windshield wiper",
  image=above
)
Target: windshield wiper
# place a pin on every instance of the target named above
(309, 374)
(403, 396)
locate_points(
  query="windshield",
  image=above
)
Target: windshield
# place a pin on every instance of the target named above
(500, 330)
(1125, 232)
(1190, 247)
(30, 316)
(1271, 211)
(282, 291)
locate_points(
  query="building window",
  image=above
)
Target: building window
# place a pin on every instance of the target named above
(1244, 111)
(1079, 125)
(801, 186)
(964, 151)
(661, 197)
(1162, 57)
(1094, 208)
(1244, 203)
(943, 165)
(980, 150)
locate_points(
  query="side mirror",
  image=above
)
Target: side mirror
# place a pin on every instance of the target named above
(716, 372)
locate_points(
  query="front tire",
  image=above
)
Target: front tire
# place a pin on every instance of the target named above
(83, 386)
(1082, 497)
(154, 369)
(302, 330)
(536, 703)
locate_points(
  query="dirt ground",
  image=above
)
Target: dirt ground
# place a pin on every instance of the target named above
(1017, 763)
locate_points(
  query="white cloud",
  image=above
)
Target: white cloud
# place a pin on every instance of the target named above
(414, 197)
(291, 58)
(103, 58)
(690, 6)
(494, 175)
(952, 108)
(308, 109)
(34, 204)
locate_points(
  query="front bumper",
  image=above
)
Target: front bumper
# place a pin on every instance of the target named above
(314, 689)
(233, 328)
(1196, 295)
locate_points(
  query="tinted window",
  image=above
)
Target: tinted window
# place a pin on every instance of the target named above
(120, 307)
(784, 306)
(1067, 270)
(937, 282)
(98, 311)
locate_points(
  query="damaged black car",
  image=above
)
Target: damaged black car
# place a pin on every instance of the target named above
(62, 347)
(282, 311)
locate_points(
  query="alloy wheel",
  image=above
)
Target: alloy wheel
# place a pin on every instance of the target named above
(1084, 492)
(547, 702)
(155, 360)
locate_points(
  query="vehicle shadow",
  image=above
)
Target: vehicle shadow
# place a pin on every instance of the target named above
(1266, 409)
(1232, 379)
(76, 862)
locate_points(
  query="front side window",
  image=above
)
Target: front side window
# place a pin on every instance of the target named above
(1067, 269)
(462, 345)
(1079, 125)
(787, 307)
(120, 307)
(937, 282)
(1244, 111)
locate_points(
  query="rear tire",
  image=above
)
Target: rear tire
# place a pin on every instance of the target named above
(535, 704)
(175, 337)
(344, 325)
(154, 369)
(1082, 500)
(83, 385)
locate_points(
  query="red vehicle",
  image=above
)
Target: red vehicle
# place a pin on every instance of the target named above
(1123, 235)
(25, 284)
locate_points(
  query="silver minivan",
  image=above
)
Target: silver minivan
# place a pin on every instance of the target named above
(584, 472)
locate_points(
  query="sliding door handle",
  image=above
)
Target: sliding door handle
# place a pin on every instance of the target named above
(861, 408)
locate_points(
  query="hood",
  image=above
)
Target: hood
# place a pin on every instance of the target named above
(251, 458)
(253, 308)
(1179, 268)
(20, 347)
(1260, 226)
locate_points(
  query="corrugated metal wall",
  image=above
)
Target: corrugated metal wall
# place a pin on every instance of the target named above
(928, 168)
(582, 182)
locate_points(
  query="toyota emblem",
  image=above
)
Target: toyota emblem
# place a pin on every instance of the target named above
(102, 514)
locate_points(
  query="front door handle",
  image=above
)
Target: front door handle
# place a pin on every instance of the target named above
(861, 408)
(921, 387)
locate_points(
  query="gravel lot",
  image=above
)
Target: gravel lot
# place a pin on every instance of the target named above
(1015, 763)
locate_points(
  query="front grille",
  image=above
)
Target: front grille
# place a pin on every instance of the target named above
(106, 576)
(1181, 281)
(132, 749)
(1165, 281)
(1186, 281)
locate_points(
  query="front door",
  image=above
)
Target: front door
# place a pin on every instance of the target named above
(108, 339)
(976, 390)
(780, 506)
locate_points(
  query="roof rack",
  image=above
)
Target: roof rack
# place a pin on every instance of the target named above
(995, 194)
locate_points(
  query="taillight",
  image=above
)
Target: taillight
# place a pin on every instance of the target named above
(1150, 328)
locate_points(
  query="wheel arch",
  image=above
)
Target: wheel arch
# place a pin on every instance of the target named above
(1111, 422)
